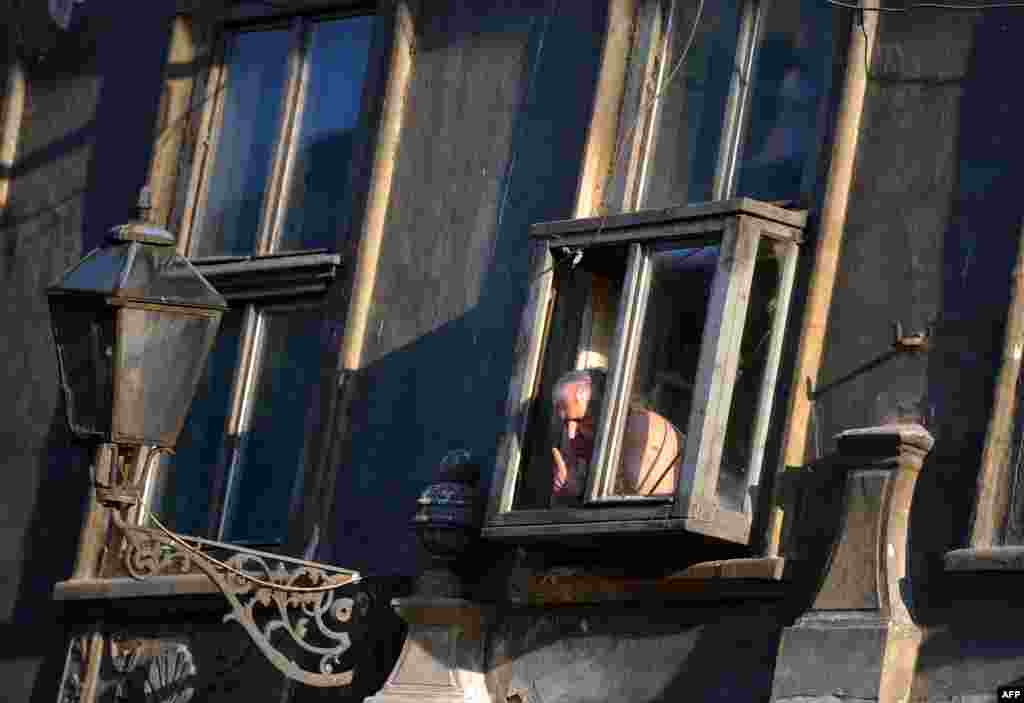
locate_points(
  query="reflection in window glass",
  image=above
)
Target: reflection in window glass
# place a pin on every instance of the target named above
(739, 450)
(581, 332)
(256, 67)
(788, 109)
(272, 454)
(689, 127)
(184, 496)
(666, 370)
(317, 207)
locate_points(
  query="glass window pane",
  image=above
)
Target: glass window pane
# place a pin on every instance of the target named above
(789, 102)
(666, 370)
(187, 481)
(285, 406)
(580, 335)
(256, 67)
(739, 451)
(318, 202)
(1011, 532)
(684, 149)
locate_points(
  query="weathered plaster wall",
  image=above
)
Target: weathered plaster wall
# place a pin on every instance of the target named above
(91, 98)
(932, 233)
(494, 126)
(491, 144)
(641, 655)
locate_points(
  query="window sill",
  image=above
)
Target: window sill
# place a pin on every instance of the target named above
(985, 559)
(126, 587)
(273, 275)
(618, 519)
(662, 222)
(708, 581)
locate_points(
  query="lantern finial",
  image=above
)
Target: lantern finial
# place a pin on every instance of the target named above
(145, 205)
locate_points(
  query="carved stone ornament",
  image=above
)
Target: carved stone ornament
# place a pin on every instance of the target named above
(166, 671)
(74, 672)
(283, 604)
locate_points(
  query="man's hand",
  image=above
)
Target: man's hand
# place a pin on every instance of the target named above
(560, 471)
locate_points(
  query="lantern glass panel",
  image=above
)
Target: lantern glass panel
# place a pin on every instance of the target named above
(98, 272)
(159, 274)
(159, 361)
(84, 335)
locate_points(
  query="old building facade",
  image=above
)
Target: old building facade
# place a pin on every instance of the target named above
(786, 233)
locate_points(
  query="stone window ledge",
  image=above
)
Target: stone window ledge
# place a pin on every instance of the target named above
(1010, 558)
(708, 581)
(126, 587)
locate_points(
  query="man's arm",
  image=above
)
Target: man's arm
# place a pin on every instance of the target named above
(565, 481)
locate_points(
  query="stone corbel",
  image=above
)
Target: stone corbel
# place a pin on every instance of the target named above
(858, 640)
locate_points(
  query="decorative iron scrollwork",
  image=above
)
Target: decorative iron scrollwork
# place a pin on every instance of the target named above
(284, 604)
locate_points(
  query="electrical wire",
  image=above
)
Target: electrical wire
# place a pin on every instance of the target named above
(927, 5)
(627, 133)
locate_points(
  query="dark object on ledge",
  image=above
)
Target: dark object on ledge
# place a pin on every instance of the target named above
(447, 522)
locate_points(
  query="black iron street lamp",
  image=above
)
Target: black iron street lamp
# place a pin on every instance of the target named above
(133, 322)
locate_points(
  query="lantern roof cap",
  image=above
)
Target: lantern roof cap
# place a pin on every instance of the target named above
(138, 263)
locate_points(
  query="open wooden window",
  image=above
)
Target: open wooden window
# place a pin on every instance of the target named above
(681, 298)
(684, 311)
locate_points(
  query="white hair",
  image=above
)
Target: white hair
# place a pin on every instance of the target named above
(592, 378)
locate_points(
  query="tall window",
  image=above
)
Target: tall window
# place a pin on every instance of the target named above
(743, 113)
(269, 201)
(645, 395)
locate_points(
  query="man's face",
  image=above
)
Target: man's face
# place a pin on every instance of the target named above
(573, 408)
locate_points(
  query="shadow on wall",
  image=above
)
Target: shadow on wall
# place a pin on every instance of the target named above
(609, 653)
(980, 245)
(83, 152)
(931, 237)
(971, 647)
(494, 129)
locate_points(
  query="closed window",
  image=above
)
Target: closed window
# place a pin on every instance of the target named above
(269, 204)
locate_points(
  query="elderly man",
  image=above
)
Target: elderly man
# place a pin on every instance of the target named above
(651, 445)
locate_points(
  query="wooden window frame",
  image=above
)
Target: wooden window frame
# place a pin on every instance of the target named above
(186, 139)
(647, 79)
(738, 224)
(994, 497)
(623, 152)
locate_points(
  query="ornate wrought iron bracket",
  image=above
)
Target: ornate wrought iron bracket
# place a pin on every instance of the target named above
(292, 609)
